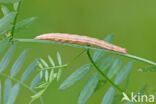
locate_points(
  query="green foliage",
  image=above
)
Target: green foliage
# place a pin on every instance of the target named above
(48, 73)
(110, 66)
(7, 58)
(10, 92)
(5, 10)
(151, 68)
(4, 44)
(7, 21)
(88, 89)
(123, 74)
(24, 24)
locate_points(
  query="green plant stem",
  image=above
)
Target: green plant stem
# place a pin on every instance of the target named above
(56, 67)
(23, 84)
(101, 73)
(15, 19)
(87, 47)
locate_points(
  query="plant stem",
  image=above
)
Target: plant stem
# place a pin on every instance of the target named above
(140, 59)
(15, 19)
(102, 74)
(56, 67)
(23, 84)
(87, 47)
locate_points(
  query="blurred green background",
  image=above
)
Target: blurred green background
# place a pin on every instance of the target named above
(132, 22)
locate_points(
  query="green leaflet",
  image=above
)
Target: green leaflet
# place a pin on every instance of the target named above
(46, 75)
(75, 76)
(106, 63)
(30, 69)
(150, 68)
(100, 53)
(44, 63)
(37, 95)
(51, 61)
(7, 90)
(6, 59)
(123, 74)
(9, 1)
(60, 63)
(5, 10)
(35, 81)
(115, 67)
(3, 44)
(15, 5)
(5, 22)
(13, 94)
(18, 63)
(109, 96)
(88, 89)
(25, 23)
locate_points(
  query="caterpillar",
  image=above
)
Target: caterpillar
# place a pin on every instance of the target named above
(82, 40)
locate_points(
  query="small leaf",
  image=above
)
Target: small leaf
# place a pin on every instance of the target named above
(7, 91)
(41, 74)
(37, 95)
(51, 77)
(106, 63)
(109, 96)
(18, 64)
(88, 89)
(28, 72)
(59, 74)
(51, 61)
(5, 10)
(76, 76)
(100, 53)
(35, 81)
(44, 63)
(3, 44)
(59, 58)
(6, 21)
(26, 23)
(15, 5)
(13, 94)
(123, 74)
(46, 75)
(150, 68)
(114, 68)
(6, 59)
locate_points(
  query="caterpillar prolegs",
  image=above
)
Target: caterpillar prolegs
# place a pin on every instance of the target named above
(82, 40)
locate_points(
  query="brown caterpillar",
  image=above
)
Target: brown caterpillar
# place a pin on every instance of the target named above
(83, 40)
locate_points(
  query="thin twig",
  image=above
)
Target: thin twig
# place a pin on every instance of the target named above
(101, 73)
(15, 19)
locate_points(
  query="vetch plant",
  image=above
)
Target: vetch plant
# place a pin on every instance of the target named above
(108, 69)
